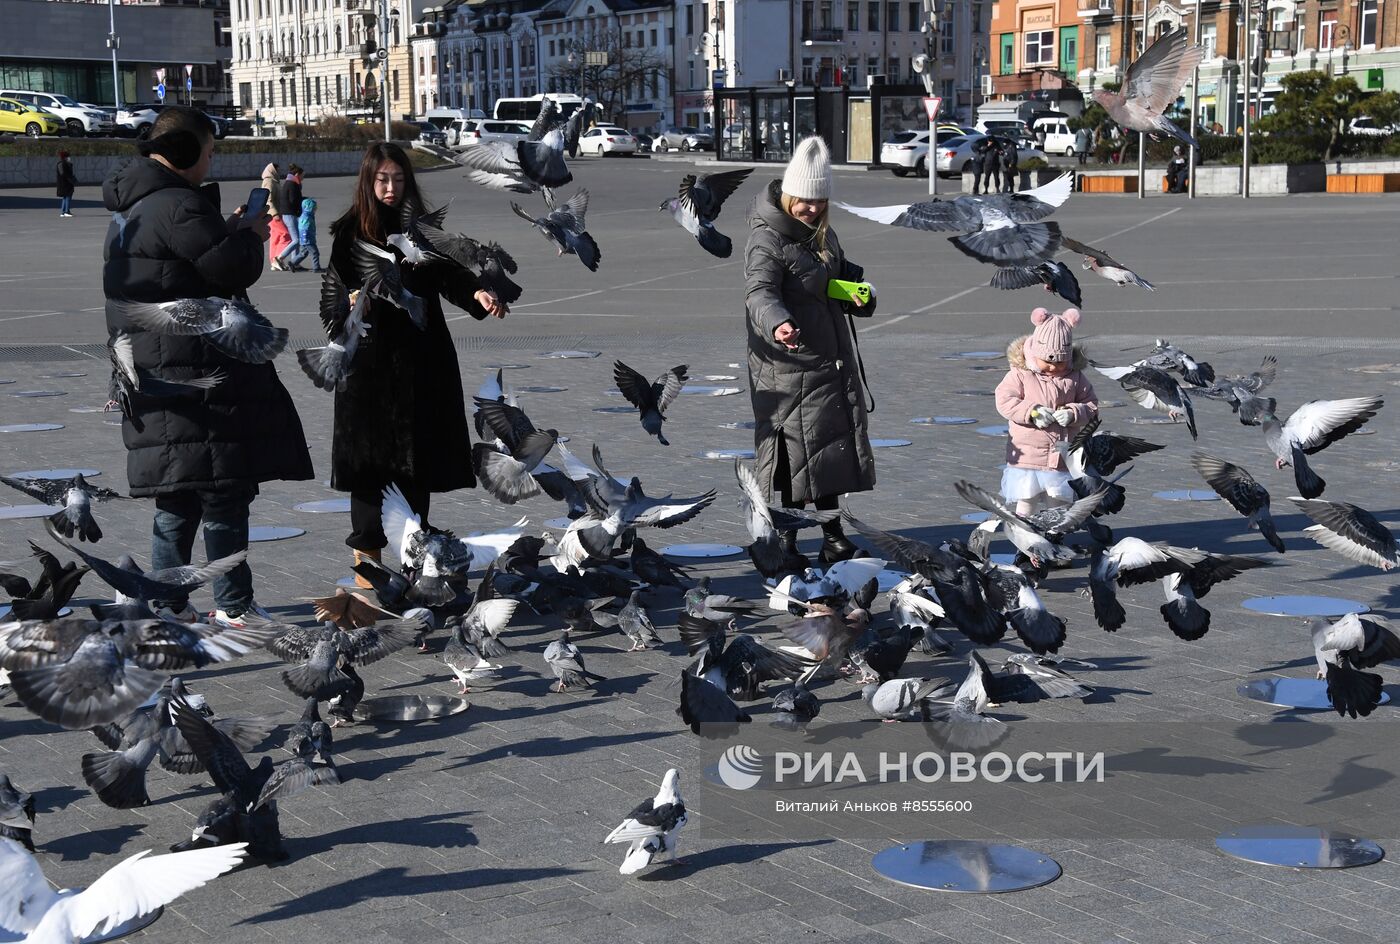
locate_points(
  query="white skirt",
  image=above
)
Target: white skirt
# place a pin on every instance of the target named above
(1023, 484)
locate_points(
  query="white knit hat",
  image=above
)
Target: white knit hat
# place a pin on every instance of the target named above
(808, 174)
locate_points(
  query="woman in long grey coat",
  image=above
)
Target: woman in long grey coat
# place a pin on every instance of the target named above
(805, 374)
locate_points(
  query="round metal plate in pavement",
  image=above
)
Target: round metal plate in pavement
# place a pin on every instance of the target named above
(407, 708)
(30, 427)
(11, 512)
(890, 443)
(506, 366)
(1298, 847)
(980, 868)
(976, 517)
(886, 579)
(1007, 559)
(614, 409)
(701, 390)
(725, 454)
(742, 424)
(65, 375)
(720, 377)
(1187, 494)
(1152, 420)
(326, 506)
(702, 550)
(542, 389)
(55, 474)
(1307, 694)
(89, 409)
(975, 355)
(273, 533)
(569, 355)
(1305, 606)
(975, 393)
(36, 394)
(943, 420)
(992, 430)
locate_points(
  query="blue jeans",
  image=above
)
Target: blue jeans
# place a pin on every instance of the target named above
(225, 517)
(65, 204)
(289, 221)
(307, 248)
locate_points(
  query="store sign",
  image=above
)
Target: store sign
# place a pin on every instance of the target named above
(1038, 19)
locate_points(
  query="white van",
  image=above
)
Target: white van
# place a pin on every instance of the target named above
(443, 117)
(1058, 138)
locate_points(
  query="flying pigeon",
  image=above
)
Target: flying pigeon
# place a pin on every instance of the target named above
(1351, 531)
(47, 596)
(1102, 264)
(698, 203)
(1242, 392)
(435, 555)
(135, 886)
(578, 122)
(329, 366)
(1343, 648)
(1001, 229)
(129, 380)
(738, 666)
(1154, 389)
(565, 660)
(563, 226)
(1170, 357)
(767, 524)
(1311, 428)
(1129, 562)
(880, 654)
(315, 653)
(1182, 611)
(653, 827)
(1013, 595)
(234, 328)
(1091, 457)
(172, 583)
(1055, 276)
(381, 278)
(16, 813)
(1244, 494)
(651, 399)
(473, 640)
(491, 264)
(523, 166)
(76, 496)
(614, 508)
(1153, 82)
(1039, 536)
(508, 472)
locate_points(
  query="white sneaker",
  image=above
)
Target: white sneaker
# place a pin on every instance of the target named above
(66, 214)
(253, 614)
(186, 614)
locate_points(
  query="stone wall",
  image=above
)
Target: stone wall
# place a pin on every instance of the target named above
(1222, 180)
(39, 171)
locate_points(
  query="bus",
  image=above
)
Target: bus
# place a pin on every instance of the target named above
(528, 109)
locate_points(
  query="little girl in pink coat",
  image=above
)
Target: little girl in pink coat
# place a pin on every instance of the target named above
(1045, 398)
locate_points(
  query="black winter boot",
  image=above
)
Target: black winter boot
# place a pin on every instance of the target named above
(793, 558)
(835, 546)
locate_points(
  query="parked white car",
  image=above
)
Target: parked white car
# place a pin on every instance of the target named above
(684, 139)
(955, 155)
(78, 119)
(137, 119)
(469, 132)
(907, 151)
(1366, 125)
(606, 139)
(1058, 138)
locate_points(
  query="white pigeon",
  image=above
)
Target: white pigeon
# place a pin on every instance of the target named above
(842, 579)
(134, 887)
(653, 827)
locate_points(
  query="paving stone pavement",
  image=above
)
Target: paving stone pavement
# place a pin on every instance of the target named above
(488, 825)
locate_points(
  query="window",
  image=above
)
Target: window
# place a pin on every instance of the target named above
(807, 8)
(551, 49)
(916, 14)
(1103, 52)
(690, 21)
(283, 84)
(872, 66)
(1039, 48)
(1008, 53)
(1368, 22)
(806, 70)
(1208, 39)
(872, 16)
(318, 90)
(853, 16)
(945, 43)
(1326, 30)
(892, 18)
(1069, 50)
(396, 83)
(977, 16)
(892, 70)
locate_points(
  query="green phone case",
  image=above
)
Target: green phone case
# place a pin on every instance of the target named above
(847, 291)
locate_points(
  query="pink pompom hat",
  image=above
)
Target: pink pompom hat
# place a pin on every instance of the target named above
(1052, 340)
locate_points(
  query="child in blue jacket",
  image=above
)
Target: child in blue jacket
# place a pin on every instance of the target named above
(306, 232)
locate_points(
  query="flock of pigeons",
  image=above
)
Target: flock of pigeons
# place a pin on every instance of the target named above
(109, 671)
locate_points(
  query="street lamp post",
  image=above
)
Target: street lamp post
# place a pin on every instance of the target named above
(1195, 106)
(114, 43)
(1142, 135)
(925, 64)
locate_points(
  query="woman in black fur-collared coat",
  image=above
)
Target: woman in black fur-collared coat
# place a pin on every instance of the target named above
(401, 419)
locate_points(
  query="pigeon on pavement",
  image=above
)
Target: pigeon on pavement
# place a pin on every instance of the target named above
(315, 653)
(1001, 229)
(1039, 678)
(654, 568)
(329, 366)
(1343, 648)
(1055, 276)
(614, 508)
(767, 524)
(650, 399)
(707, 709)
(433, 555)
(563, 226)
(698, 203)
(636, 623)
(48, 595)
(1153, 83)
(794, 707)
(1104, 265)
(1311, 428)
(739, 668)
(474, 639)
(1154, 389)
(566, 662)
(508, 473)
(136, 886)
(1244, 494)
(653, 827)
(904, 699)
(1351, 531)
(1039, 536)
(234, 328)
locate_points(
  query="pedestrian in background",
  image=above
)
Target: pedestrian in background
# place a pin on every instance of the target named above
(975, 163)
(306, 237)
(289, 199)
(67, 181)
(1081, 145)
(1176, 171)
(1008, 159)
(277, 242)
(201, 457)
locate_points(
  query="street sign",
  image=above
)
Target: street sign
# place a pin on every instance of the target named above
(931, 105)
(189, 84)
(160, 91)
(718, 78)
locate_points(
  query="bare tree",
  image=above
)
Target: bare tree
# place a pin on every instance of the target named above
(630, 73)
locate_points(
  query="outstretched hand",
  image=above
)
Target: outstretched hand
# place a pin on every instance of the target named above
(788, 335)
(493, 305)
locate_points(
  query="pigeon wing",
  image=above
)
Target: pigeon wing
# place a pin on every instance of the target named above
(706, 196)
(1020, 244)
(215, 749)
(1318, 423)
(28, 896)
(668, 386)
(1155, 80)
(633, 386)
(1031, 205)
(1013, 277)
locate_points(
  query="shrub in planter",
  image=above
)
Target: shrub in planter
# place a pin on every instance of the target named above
(1034, 163)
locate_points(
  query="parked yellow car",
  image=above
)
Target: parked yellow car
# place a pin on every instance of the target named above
(17, 117)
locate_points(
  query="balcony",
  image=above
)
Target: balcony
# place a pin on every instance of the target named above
(1088, 9)
(815, 37)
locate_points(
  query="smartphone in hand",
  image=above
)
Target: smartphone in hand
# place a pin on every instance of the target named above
(257, 203)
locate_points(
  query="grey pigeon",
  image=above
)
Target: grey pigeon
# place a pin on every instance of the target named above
(566, 662)
(1311, 428)
(508, 472)
(651, 399)
(577, 123)
(1153, 83)
(48, 595)
(697, 204)
(316, 653)
(767, 525)
(129, 380)
(1351, 531)
(1183, 612)
(16, 813)
(1039, 536)
(1242, 392)
(794, 707)
(563, 226)
(654, 568)
(1343, 648)
(1104, 265)
(436, 557)
(1091, 457)
(699, 601)
(76, 495)
(329, 366)
(305, 732)
(634, 621)
(707, 709)
(1001, 229)
(1055, 276)
(1009, 590)
(474, 640)
(381, 278)
(232, 327)
(1129, 562)
(534, 163)
(1154, 389)
(492, 265)
(653, 827)
(1170, 357)
(169, 584)
(904, 699)
(1245, 495)
(738, 666)
(614, 508)
(1041, 674)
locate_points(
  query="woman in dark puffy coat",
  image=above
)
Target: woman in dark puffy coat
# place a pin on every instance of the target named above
(401, 419)
(805, 374)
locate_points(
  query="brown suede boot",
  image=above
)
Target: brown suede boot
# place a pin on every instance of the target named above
(361, 582)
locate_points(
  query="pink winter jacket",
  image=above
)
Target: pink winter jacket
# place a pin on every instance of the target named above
(1023, 388)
